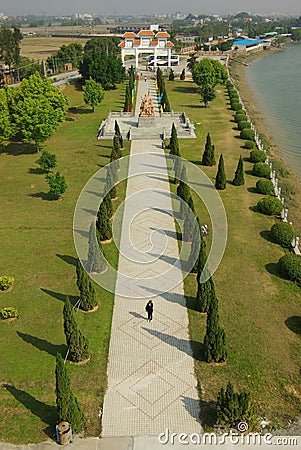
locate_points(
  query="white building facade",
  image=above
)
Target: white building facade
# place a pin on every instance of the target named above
(146, 42)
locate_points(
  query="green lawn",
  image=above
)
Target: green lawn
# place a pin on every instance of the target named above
(37, 248)
(258, 309)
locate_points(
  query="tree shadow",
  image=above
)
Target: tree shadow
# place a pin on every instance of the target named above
(253, 190)
(273, 269)
(186, 301)
(68, 259)
(59, 296)
(46, 413)
(79, 110)
(293, 323)
(43, 345)
(185, 89)
(250, 172)
(191, 348)
(36, 171)
(254, 209)
(18, 148)
(198, 163)
(208, 414)
(46, 196)
(192, 405)
(267, 235)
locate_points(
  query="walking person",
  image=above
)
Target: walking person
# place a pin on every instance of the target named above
(149, 309)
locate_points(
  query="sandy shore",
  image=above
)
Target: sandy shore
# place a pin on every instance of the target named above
(238, 75)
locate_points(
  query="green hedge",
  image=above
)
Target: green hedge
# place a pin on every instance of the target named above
(257, 156)
(247, 134)
(262, 169)
(265, 187)
(240, 117)
(236, 106)
(283, 233)
(290, 267)
(243, 125)
(6, 282)
(249, 145)
(271, 206)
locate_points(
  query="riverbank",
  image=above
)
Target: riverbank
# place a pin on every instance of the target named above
(288, 178)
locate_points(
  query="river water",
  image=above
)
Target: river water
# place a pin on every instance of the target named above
(275, 81)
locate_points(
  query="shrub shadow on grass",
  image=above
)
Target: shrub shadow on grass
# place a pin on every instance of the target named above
(59, 296)
(44, 345)
(46, 413)
(36, 171)
(293, 323)
(80, 110)
(68, 259)
(273, 269)
(267, 235)
(46, 196)
(253, 190)
(254, 209)
(250, 172)
(18, 148)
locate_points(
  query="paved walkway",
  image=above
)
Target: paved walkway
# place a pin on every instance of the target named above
(151, 383)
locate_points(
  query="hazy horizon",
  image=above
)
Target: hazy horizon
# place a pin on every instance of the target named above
(130, 7)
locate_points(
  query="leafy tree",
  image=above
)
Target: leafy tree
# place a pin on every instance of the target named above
(93, 93)
(209, 72)
(221, 180)
(207, 93)
(47, 161)
(10, 46)
(103, 223)
(239, 177)
(182, 76)
(171, 76)
(38, 109)
(6, 128)
(208, 155)
(118, 134)
(57, 183)
(233, 408)
(215, 338)
(108, 45)
(71, 53)
(78, 345)
(96, 260)
(67, 405)
(104, 68)
(29, 67)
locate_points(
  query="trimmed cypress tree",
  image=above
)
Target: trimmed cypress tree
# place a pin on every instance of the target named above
(108, 201)
(205, 293)
(114, 156)
(208, 155)
(116, 146)
(221, 180)
(178, 166)
(195, 250)
(165, 102)
(77, 343)
(111, 180)
(239, 177)
(118, 134)
(96, 260)
(183, 191)
(215, 338)
(87, 295)
(174, 143)
(189, 227)
(182, 76)
(191, 204)
(103, 223)
(67, 406)
(128, 99)
(171, 76)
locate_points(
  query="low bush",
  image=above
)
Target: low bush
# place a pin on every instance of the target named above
(257, 156)
(247, 134)
(236, 106)
(243, 125)
(249, 145)
(271, 206)
(240, 116)
(6, 282)
(283, 233)
(262, 169)
(290, 267)
(8, 313)
(265, 187)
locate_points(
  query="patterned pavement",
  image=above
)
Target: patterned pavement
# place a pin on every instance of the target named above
(151, 382)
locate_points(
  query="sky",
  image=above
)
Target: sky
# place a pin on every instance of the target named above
(137, 7)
